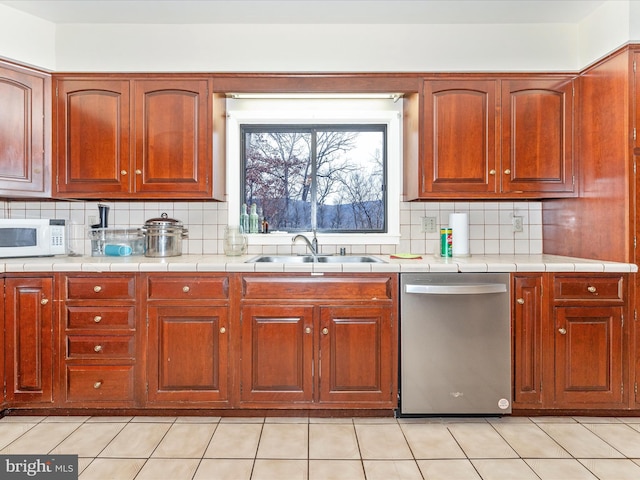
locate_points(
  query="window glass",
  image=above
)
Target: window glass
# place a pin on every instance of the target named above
(325, 177)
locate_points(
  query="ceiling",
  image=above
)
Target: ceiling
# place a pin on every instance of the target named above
(307, 11)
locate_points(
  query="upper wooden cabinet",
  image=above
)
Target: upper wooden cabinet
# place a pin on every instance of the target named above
(148, 138)
(25, 131)
(482, 138)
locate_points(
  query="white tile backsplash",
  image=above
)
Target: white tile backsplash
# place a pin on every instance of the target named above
(490, 225)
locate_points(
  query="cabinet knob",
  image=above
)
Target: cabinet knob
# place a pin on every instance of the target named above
(97, 288)
(492, 172)
(123, 172)
(97, 319)
(325, 331)
(138, 172)
(98, 384)
(223, 330)
(507, 172)
(307, 330)
(520, 301)
(97, 348)
(591, 289)
(563, 331)
(186, 289)
(44, 301)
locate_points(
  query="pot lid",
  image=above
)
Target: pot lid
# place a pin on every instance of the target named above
(163, 222)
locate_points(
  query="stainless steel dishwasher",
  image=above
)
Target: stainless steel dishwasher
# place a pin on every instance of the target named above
(455, 343)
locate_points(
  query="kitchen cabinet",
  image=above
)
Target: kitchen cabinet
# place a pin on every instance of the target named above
(134, 138)
(526, 318)
(25, 132)
(29, 340)
(187, 340)
(100, 340)
(318, 342)
(489, 138)
(588, 341)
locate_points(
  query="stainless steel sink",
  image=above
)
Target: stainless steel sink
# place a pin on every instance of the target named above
(317, 259)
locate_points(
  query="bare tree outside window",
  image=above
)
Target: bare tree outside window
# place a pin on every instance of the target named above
(328, 177)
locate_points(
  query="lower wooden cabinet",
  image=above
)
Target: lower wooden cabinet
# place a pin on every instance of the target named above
(329, 342)
(187, 340)
(29, 340)
(569, 345)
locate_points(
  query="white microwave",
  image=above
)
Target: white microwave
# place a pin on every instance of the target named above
(32, 237)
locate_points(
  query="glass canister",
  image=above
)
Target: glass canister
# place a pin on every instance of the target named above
(234, 242)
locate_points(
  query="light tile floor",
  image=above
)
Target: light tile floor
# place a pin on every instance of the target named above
(212, 448)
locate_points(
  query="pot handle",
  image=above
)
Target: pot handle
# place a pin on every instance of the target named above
(185, 233)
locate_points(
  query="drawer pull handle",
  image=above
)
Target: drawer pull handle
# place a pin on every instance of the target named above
(138, 171)
(591, 289)
(507, 172)
(123, 172)
(97, 288)
(98, 384)
(186, 289)
(97, 348)
(307, 330)
(563, 331)
(492, 172)
(223, 330)
(97, 319)
(44, 301)
(325, 331)
(520, 301)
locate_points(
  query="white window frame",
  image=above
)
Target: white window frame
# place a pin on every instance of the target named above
(313, 110)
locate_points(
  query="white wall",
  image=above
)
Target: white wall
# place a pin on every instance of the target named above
(606, 29)
(27, 39)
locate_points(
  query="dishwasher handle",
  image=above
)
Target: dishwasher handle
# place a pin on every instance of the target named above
(457, 289)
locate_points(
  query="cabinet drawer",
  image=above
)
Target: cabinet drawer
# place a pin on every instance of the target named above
(101, 318)
(105, 383)
(101, 287)
(590, 288)
(329, 288)
(188, 287)
(101, 346)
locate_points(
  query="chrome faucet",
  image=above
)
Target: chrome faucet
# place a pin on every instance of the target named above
(312, 244)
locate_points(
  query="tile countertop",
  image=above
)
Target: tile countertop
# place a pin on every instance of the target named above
(221, 263)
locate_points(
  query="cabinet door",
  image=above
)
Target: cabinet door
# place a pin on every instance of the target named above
(171, 134)
(29, 339)
(460, 147)
(277, 354)
(537, 146)
(527, 340)
(357, 356)
(187, 354)
(93, 149)
(24, 128)
(588, 357)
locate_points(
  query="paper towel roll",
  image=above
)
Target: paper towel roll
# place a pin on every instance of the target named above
(459, 224)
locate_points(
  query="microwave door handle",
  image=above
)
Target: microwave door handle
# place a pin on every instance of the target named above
(458, 289)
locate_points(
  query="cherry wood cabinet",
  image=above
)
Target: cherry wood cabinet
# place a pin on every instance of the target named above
(29, 340)
(25, 132)
(99, 340)
(571, 346)
(527, 318)
(187, 340)
(318, 342)
(490, 138)
(126, 137)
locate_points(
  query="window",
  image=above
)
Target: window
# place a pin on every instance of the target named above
(249, 115)
(329, 178)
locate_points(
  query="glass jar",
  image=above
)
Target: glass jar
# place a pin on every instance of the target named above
(234, 242)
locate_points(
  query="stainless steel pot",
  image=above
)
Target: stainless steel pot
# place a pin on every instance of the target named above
(163, 237)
